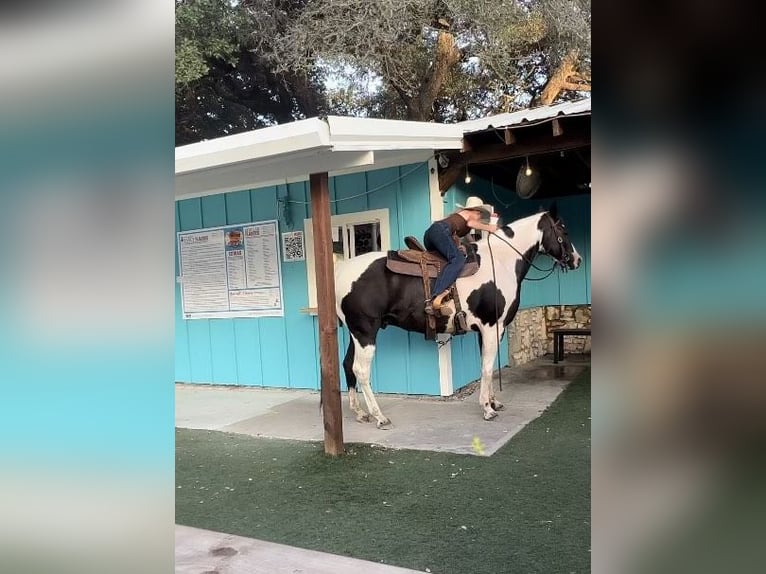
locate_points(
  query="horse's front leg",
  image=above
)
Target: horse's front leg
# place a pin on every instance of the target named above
(487, 393)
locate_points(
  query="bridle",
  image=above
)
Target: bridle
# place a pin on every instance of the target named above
(563, 261)
(565, 258)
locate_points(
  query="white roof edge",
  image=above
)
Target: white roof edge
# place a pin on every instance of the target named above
(528, 116)
(350, 134)
(344, 126)
(259, 135)
(266, 142)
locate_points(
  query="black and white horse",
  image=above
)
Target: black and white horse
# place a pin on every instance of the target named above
(370, 297)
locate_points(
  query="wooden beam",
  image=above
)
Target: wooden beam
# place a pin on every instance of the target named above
(328, 319)
(500, 152)
(557, 129)
(508, 137)
(450, 175)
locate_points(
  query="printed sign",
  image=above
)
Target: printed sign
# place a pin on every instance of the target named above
(231, 271)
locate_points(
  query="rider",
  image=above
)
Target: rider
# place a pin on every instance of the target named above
(443, 236)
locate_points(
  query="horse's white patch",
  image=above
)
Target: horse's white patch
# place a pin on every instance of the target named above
(348, 271)
(353, 402)
(576, 258)
(363, 360)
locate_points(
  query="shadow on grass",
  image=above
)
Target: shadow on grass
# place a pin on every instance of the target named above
(525, 509)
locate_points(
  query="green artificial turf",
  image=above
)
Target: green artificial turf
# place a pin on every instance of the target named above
(525, 509)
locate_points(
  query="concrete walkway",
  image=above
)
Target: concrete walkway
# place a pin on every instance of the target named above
(420, 423)
(205, 552)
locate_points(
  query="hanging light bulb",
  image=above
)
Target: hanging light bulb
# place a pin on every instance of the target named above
(467, 175)
(528, 171)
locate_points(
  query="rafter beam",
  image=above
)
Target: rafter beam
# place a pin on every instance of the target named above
(501, 152)
(557, 129)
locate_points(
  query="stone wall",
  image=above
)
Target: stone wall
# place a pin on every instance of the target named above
(527, 336)
(573, 316)
(530, 336)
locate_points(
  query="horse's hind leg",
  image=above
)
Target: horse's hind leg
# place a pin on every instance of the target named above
(362, 366)
(353, 400)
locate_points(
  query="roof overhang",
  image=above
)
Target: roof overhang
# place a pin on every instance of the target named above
(291, 152)
(528, 117)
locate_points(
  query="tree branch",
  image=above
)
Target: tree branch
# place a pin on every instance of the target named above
(575, 87)
(403, 95)
(558, 79)
(446, 57)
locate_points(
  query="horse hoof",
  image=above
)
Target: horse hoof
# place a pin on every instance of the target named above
(364, 419)
(497, 405)
(488, 416)
(383, 424)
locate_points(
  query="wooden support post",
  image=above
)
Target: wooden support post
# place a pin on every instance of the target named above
(557, 129)
(328, 319)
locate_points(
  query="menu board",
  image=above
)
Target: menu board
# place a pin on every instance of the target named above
(231, 271)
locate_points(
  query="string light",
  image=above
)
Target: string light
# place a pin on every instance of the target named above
(528, 171)
(467, 175)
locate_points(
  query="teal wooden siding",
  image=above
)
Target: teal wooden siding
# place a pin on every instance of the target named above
(283, 351)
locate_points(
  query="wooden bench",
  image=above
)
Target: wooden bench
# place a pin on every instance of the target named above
(558, 340)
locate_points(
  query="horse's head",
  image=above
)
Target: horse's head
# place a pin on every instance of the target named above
(555, 240)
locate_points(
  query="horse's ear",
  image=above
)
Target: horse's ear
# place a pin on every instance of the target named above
(553, 210)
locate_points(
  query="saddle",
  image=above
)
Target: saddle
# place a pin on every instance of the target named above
(418, 262)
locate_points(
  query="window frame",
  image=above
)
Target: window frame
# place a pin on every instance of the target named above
(380, 216)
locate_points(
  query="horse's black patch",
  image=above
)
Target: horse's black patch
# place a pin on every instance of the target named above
(511, 311)
(523, 264)
(348, 366)
(507, 230)
(487, 303)
(478, 334)
(379, 298)
(522, 267)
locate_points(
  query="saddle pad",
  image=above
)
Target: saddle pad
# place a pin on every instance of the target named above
(398, 264)
(415, 256)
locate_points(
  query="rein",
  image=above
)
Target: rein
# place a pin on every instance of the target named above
(497, 323)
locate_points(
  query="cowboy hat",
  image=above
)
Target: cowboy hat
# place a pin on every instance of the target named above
(476, 204)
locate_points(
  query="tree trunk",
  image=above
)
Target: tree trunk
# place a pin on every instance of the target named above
(304, 94)
(447, 55)
(560, 80)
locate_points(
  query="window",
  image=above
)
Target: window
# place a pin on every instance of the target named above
(352, 234)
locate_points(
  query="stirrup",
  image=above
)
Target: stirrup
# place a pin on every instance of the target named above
(438, 301)
(461, 323)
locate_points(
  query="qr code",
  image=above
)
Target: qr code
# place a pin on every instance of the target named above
(293, 247)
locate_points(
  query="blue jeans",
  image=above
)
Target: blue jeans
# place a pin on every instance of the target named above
(439, 238)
